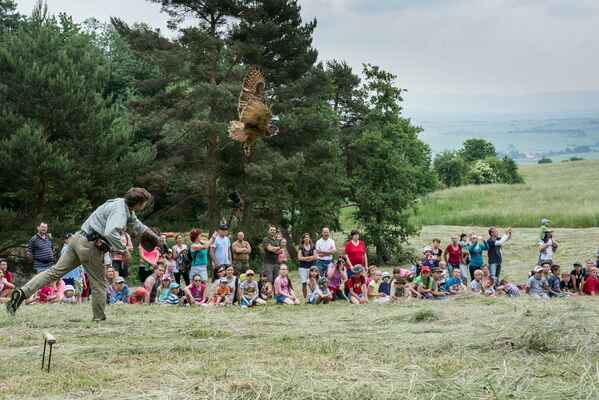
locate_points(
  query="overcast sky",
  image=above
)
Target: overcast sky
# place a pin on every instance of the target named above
(441, 49)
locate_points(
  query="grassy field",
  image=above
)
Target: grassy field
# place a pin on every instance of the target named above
(469, 348)
(566, 193)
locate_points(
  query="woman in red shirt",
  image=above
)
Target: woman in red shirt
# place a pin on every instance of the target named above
(453, 255)
(355, 251)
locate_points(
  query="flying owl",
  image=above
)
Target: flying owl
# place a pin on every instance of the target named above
(255, 116)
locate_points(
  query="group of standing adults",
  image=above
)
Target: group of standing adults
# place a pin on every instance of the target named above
(220, 252)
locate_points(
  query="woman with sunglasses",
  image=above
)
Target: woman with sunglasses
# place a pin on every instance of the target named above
(218, 274)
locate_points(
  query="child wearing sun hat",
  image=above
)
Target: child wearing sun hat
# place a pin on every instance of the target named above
(173, 297)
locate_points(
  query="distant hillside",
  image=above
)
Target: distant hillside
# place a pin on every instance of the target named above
(566, 193)
(530, 134)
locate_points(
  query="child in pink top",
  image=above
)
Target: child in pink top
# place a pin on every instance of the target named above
(196, 291)
(6, 288)
(284, 293)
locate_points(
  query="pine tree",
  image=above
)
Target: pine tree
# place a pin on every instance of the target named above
(65, 147)
(9, 18)
(201, 74)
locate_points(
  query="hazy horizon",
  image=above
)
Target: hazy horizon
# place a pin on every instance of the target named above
(500, 56)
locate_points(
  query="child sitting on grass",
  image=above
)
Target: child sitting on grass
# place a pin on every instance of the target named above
(314, 292)
(554, 282)
(385, 286)
(323, 285)
(424, 283)
(196, 291)
(173, 296)
(537, 284)
(438, 290)
(488, 287)
(336, 278)
(284, 293)
(265, 287)
(590, 287)
(455, 285)
(51, 293)
(476, 286)
(120, 292)
(222, 294)
(318, 290)
(508, 289)
(374, 285)
(488, 279)
(6, 288)
(577, 276)
(165, 289)
(566, 284)
(69, 295)
(249, 292)
(356, 286)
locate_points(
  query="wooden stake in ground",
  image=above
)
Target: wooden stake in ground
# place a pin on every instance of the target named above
(49, 340)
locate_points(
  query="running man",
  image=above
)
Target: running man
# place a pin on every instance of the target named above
(101, 232)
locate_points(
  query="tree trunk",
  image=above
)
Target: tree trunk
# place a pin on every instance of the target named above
(40, 198)
(213, 210)
(211, 159)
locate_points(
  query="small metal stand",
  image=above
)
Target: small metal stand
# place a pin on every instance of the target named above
(48, 340)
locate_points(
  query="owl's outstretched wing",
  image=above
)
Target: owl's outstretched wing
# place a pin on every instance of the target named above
(252, 89)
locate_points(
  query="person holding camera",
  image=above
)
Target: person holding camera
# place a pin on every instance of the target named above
(494, 245)
(101, 232)
(547, 247)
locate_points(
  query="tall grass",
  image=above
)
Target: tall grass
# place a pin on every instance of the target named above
(566, 193)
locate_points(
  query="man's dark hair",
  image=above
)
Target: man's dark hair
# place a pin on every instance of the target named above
(3, 260)
(135, 196)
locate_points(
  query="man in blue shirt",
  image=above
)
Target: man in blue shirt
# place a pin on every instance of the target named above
(102, 229)
(220, 251)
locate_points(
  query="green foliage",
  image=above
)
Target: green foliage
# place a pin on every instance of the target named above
(456, 168)
(451, 168)
(9, 18)
(482, 173)
(505, 169)
(477, 149)
(545, 160)
(73, 147)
